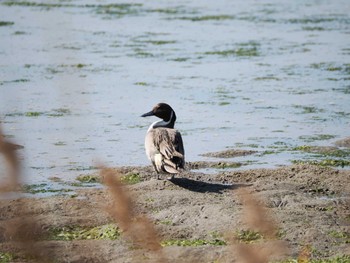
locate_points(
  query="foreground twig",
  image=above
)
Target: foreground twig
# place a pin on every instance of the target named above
(137, 228)
(257, 217)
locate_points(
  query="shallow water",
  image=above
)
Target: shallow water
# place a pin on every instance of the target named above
(75, 76)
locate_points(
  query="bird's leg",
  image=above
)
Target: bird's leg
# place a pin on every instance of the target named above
(156, 171)
(171, 177)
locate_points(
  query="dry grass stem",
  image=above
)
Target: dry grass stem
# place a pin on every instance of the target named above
(256, 217)
(138, 228)
(8, 150)
(23, 231)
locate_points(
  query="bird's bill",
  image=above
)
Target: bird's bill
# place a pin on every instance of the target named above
(151, 113)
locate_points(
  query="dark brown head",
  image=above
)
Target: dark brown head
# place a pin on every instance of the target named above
(165, 112)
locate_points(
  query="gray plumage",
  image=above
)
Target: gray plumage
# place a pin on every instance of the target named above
(163, 144)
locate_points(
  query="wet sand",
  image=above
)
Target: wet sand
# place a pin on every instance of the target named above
(197, 217)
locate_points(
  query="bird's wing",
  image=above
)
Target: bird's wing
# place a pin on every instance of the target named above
(179, 146)
(165, 140)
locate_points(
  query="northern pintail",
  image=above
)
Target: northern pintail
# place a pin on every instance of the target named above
(164, 146)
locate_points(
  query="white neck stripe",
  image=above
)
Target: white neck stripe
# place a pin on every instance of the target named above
(161, 123)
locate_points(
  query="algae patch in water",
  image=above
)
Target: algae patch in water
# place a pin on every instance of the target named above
(88, 178)
(327, 162)
(160, 42)
(207, 18)
(268, 77)
(323, 150)
(141, 83)
(53, 113)
(239, 52)
(318, 137)
(311, 20)
(229, 153)
(6, 23)
(83, 168)
(308, 109)
(245, 49)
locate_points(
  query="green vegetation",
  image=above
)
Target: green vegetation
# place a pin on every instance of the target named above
(58, 112)
(207, 18)
(269, 77)
(180, 59)
(33, 4)
(313, 28)
(6, 23)
(52, 5)
(59, 143)
(239, 52)
(327, 162)
(338, 259)
(41, 188)
(324, 151)
(112, 9)
(224, 103)
(89, 178)
(53, 113)
(248, 236)
(116, 10)
(33, 114)
(141, 53)
(6, 257)
(160, 42)
(318, 137)
(308, 109)
(345, 68)
(83, 168)
(166, 222)
(141, 83)
(109, 231)
(131, 178)
(344, 237)
(224, 165)
(192, 243)
(312, 20)
(170, 11)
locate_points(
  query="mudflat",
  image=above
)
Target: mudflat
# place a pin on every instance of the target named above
(274, 215)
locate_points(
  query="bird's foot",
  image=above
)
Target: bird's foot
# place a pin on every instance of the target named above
(170, 177)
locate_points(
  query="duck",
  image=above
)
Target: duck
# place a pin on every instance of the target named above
(163, 144)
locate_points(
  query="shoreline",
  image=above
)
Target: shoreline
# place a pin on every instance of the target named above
(308, 206)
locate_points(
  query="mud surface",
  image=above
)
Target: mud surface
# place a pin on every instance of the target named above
(308, 205)
(343, 142)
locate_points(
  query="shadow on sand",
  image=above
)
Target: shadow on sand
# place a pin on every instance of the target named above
(204, 187)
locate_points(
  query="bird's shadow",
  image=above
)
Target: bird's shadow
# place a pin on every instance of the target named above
(204, 187)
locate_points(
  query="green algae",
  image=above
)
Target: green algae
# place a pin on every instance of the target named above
(326, 162)
(338, 259)
(248, 236)
(88, 178)
(6, 23)
(104, 232)
(207, 18)
(192, 242)
(131, 178)
(42, 188)
(239, 52)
